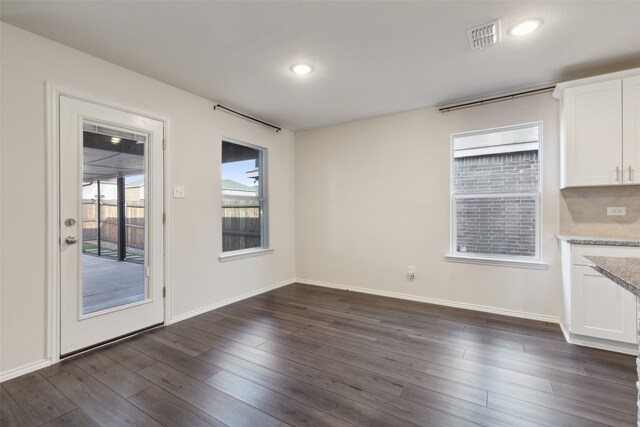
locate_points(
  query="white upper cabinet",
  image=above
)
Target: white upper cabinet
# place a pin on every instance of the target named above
(631, 129)
(593, 134)
(600, 130)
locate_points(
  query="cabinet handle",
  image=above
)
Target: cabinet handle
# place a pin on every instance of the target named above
(630, 174)
(617, 174)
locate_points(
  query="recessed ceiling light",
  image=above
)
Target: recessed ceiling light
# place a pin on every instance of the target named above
(115, 140)
(525, 27)
(302, 69)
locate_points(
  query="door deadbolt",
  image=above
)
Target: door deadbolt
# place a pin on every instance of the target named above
(70, 222)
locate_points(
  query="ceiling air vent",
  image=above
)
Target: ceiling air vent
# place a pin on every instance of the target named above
(485, 35)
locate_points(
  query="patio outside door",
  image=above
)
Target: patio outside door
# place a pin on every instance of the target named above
(111, 232)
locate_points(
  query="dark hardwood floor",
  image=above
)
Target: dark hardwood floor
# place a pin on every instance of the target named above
(303, 355)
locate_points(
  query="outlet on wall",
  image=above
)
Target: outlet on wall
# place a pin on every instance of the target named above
(616, 211)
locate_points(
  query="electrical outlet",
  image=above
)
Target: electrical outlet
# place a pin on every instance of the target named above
(411, 275)
(616, 211)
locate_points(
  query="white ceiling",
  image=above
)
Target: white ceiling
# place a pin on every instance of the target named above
(371, 58)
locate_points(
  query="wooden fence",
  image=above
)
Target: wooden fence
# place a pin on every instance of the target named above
(109, 223)
(240, 227)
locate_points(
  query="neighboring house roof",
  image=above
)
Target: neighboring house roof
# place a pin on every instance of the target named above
(137, 182)
(233, 186)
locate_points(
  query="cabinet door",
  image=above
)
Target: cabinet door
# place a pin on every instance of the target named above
(601, 308)
(593, 134)
(631, 129)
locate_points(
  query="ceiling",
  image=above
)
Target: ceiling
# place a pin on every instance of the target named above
(370, 58)
(104, 159)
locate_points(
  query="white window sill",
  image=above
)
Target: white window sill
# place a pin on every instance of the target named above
(535, 265)
(234, 255)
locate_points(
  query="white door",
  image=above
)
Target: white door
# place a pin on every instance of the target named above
(111, 232)
(593, 134)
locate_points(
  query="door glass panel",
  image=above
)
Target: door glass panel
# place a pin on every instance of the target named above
(113, 218)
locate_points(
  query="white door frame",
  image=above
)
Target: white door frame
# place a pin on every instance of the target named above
(53, 93)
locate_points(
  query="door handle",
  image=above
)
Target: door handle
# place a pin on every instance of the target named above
(71, 240)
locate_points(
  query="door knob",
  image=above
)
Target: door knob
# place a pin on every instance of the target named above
(71, 240)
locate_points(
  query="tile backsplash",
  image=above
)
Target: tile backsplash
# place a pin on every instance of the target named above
(583, 211)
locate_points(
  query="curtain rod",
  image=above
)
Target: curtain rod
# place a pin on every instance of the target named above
(215, 107)
(496, 99)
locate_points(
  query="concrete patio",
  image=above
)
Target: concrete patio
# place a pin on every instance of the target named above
(109, 283)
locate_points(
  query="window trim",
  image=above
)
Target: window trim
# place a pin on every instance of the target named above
(243, 253)
(497, 259)
(262, 199)
(501, 262)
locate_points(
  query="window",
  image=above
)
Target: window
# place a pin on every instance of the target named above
(495, 194)
(243, 197)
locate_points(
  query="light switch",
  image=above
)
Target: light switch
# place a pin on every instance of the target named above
(178, 191)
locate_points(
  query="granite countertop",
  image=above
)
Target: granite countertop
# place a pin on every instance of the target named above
(624, 271)
(600, 241)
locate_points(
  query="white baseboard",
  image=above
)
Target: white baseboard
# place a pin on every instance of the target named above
(463, 305)
(617, 347)
(625, 348)
(16, 372)
(565, 332)
(228, 301)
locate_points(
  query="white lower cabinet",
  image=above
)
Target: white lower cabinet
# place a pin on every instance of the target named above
(599, 313)
(601, 308)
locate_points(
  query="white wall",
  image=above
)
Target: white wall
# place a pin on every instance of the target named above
(198, 279)
(367, 198)
(372, 198)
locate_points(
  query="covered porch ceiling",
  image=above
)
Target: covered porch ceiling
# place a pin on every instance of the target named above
(105, 159)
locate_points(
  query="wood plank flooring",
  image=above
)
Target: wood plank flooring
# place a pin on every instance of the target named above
(303, 355)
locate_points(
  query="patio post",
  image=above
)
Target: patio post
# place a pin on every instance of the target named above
(122, 226)
(99, 208)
